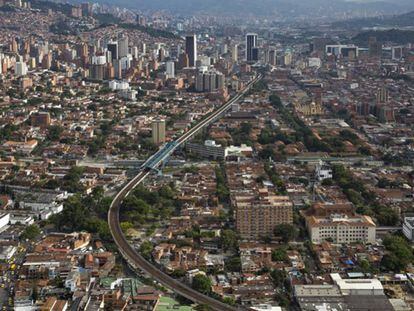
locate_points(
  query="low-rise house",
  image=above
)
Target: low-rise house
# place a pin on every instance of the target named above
(25, 147)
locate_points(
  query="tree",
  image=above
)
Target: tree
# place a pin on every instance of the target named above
(202, 284)
(364, 150)
(223, 192)
(7, 131)
(229, 300)
(98, 193)
(266, 137)
(74, 215)
(280, 254)
(125, 226)
(31, 232)
(246, 128)
(132, 203)
(54, 132)
(178, 273)
(166, 192)
(399, 255)
(101, 206)
(267, 153)
(348, 135)
(150, 197)
(98, 226)
(390, 262)
(365, 266)
(146, 249)
(286, 231)
(52, 184)
(385, 215)
(229, 240)
(233, 264)
(71, 181)
(278, 277)
(327, 182)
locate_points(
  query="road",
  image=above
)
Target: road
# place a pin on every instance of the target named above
(127, 251)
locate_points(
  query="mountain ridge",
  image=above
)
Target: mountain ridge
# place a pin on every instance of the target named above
(259, 7)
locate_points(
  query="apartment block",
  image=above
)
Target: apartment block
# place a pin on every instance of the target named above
(257, 217)
(341, 229)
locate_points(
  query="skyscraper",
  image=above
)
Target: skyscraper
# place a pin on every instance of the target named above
(123, 47)
(158, 131)
(251, 44)
(375, 47)
(183, 61)
(383, 96)
(113, 48)
(170, 69)
(191, 49)
(209, 81)
(272, 57)
(20, 69)
(235, 53)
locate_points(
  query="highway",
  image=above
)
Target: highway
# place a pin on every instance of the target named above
(127, 251)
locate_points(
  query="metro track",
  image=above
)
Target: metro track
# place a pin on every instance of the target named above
(130, 254)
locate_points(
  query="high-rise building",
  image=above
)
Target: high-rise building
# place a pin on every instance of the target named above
(223, 48)
(32, 63)
(288, 58)
(235, 53)
(209, 81)
(97, 68)
(161, 54)
(83, 50)
(272, 59)
(97, 72)
(382, 96)
(158, 131)
(170, 69)
(118, 68)
(255, 54)
(135, 52)
(86, 9)
(375, 47)
(113, 48)
(386, 114)
(183, 61)
(397, 52)
(141, 20)
(14, 46)
(191, 49)
(251, 43)
(76, 11)
(20, 69)
(123, 47)
(258, 217)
